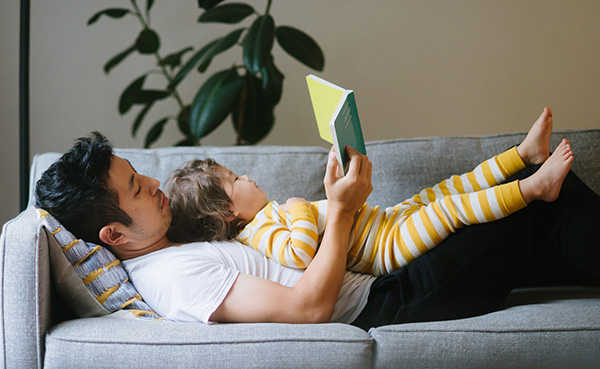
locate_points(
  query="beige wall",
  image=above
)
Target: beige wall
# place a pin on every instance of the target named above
(419, 68)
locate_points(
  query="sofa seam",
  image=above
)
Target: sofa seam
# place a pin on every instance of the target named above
(3, 239)
(38, 340)
(437, 331)
(369, 340)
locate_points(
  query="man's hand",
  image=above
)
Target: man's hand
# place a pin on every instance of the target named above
(347, 194)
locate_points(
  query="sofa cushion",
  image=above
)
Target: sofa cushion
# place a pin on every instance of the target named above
(90, 279)
(553, 327)
(142, 344)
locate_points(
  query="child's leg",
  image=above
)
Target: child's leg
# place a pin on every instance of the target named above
(533, 150)
(474, 270)
(415, 233)
(488, 174)
(545, 184)
(366, 253)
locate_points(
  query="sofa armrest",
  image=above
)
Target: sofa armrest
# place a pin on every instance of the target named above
(25, 291)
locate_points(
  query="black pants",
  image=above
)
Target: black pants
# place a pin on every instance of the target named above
(473, 270)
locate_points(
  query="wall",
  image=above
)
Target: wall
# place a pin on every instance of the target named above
(419, 68)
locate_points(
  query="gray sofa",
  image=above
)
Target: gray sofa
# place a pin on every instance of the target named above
(537, 326)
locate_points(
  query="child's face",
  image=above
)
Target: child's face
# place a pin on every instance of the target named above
(246, 197)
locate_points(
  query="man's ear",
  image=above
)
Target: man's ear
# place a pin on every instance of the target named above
(111, 234)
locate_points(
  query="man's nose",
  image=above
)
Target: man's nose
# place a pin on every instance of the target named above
(153, 185)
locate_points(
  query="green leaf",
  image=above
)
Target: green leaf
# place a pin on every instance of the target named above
(149, 96)
(227, 13)
(188, 141)
(301, 46)
(183, 121)
(140, 118)
(115, 60)
(258, 43)
(128, 97)
(272, 81)
(155, 132)
(149, 4)
(253, 116)
(190, 64)
(147, 42)
(205, 55)
(223, 44)
(214, 102)
(112, 13)
(174, 60)
(208, 4)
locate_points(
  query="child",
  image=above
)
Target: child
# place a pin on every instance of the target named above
(209, 202)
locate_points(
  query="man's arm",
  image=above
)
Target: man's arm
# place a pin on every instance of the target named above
(313, 297)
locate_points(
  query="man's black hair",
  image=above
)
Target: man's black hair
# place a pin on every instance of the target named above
(75, 189)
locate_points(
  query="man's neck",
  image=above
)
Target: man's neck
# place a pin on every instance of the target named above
(130, 251)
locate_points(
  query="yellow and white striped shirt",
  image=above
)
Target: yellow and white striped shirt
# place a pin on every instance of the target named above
(386, 240)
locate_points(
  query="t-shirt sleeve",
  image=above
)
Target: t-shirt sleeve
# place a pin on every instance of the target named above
(188, 289)
(204, 301)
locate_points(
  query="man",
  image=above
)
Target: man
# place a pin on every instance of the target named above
(469, 274)
(133, 218)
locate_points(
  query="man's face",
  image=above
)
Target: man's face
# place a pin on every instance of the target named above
(142, 200)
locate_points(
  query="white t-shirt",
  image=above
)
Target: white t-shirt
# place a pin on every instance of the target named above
(189, 282)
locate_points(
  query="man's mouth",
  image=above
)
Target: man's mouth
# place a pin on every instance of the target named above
(164, 201)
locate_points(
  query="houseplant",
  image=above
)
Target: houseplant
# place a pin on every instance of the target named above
(248, 91)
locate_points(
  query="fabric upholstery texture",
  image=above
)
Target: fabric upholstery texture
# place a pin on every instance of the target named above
(186, 345)
(533, 330)
(539, 327)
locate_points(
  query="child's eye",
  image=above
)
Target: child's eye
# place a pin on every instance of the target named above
(138, 191)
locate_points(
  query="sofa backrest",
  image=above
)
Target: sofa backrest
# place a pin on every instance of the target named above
(401, 167)
(282, 171)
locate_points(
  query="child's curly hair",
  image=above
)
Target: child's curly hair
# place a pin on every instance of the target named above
(200, 206)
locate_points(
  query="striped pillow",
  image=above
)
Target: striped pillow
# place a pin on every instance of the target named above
(89, 277)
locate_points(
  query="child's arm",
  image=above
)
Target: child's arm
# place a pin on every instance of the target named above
(293, 244)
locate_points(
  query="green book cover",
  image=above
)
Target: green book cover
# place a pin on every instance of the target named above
(337, 117)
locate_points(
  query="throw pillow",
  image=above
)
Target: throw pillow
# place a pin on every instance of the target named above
(89, 277)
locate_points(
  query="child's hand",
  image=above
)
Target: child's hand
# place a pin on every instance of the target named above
(290, 202)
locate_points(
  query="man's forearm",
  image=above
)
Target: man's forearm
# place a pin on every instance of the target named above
(323, 279)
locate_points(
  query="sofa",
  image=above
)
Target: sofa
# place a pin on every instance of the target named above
(551, 321)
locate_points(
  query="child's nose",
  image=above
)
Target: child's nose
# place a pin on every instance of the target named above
(245, 177)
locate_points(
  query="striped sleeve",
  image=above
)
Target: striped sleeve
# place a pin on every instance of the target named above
(291, 238)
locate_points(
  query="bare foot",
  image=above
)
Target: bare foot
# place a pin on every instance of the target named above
(535, 148)
(545, 184)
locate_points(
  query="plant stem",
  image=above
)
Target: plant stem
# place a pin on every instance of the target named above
(157, 56)
(268, 7)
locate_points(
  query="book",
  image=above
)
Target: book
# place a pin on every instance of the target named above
(337, 117)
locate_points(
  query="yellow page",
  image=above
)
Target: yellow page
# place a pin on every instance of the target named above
(325, 100)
